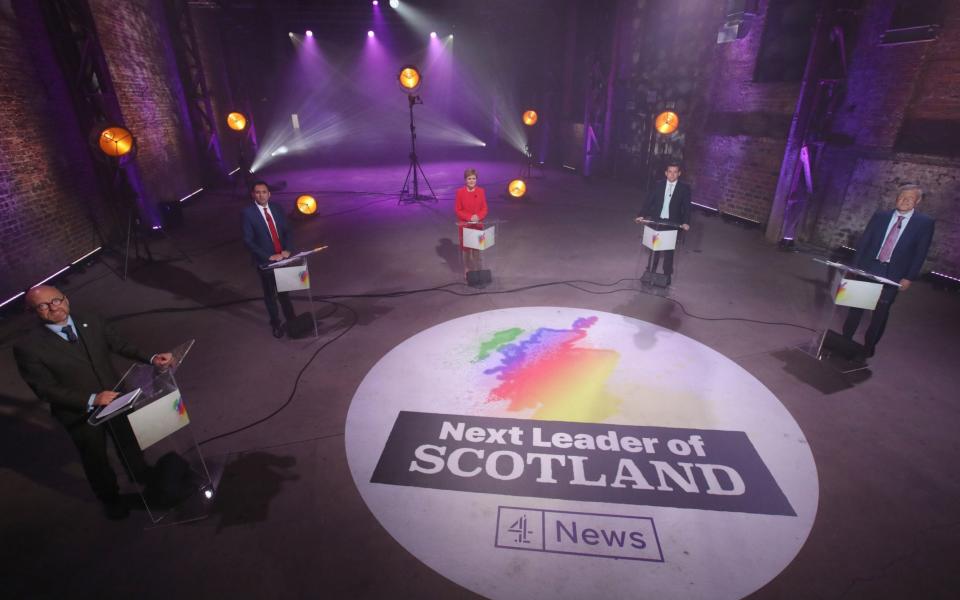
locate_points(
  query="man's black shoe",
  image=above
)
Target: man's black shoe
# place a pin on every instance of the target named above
(869, 351)
(278, 331)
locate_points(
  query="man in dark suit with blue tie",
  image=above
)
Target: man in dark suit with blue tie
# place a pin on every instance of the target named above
(894, 245)
(66, 363)
(266, 233)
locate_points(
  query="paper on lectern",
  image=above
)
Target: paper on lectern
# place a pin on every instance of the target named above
(659, 240)
(292, 279)
(478, 239)
(858, 294)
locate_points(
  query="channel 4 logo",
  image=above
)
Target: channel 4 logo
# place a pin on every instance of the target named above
(584, 534)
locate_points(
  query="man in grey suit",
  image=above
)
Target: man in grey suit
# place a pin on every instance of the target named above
(66, 362)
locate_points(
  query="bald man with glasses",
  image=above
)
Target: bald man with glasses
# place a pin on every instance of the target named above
(66, 362)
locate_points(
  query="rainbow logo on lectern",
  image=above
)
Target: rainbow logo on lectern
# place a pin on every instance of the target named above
(180, 408)
(656, 241)
(841, 292)
(304, 278)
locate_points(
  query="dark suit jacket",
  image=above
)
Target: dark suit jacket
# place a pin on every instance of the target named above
(679, 203)
(256, 236)
(64, 374)
(908, 254)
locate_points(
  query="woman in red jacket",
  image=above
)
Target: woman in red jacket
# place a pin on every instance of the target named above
(471, 208)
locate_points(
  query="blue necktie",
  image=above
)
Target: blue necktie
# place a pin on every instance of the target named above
(68, 331)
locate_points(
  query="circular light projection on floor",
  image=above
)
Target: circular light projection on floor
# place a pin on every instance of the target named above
(236, 121)
(307, 204)
(547, 452)
(666, 122)
(517, 188)
(115, 141)
(530, 118)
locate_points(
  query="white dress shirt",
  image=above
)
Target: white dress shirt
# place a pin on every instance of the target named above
(264, 217)
(667, 195)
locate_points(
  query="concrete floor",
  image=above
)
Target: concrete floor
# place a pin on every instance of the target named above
(288, 520)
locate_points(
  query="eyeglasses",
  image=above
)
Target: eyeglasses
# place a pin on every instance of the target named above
(45, 306)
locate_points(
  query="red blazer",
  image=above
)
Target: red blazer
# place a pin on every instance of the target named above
(468, 204)
(472, 203)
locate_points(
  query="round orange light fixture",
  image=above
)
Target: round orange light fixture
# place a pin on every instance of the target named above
(115, 141)
(307, 204)
(530, 118)
(409, 78)
(667, 122)
(517, 188)
(236, 121)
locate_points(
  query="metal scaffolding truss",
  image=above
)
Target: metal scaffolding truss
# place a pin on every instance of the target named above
(202, 115)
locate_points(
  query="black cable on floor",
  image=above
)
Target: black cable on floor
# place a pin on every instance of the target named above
(402, 293)
(296, 381)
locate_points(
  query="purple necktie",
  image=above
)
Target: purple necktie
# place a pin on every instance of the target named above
(886, 251)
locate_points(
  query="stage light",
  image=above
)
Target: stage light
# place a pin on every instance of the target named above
(375, 3)
(450, 36)
(115, 141)
(666, 122)
(280, 150)
(370, 34)
(307, 204)
(409, 79)
(530, 118)
(236, 121)
(433, 35)
(394, 3)
(290, 34)
(309, 33)
(517, 188)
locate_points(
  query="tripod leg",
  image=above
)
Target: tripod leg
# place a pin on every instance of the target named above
(405, 191)
(426, 181)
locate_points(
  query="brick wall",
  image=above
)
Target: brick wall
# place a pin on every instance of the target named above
(735, 157)
(892, 87)
(49, 199)
(135, 40)
(664, 65)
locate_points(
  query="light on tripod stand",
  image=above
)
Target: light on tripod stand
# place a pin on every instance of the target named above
(115, 141)
(409, 79)
(530, 118)
(236, 121)
(307, 204)
(517, 188)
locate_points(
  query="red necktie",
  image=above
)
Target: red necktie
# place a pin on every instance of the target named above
(277, 248)
(886, 251)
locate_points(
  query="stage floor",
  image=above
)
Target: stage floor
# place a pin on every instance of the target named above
(288, 520)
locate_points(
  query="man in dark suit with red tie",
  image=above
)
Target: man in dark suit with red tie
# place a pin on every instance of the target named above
(266, 233)
(66, 362)
(894, 245)
(668, 200)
